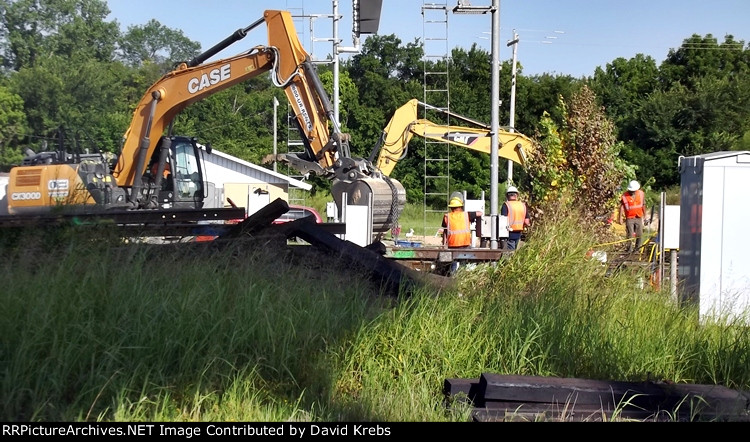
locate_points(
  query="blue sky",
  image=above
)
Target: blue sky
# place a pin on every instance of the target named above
(556, 36)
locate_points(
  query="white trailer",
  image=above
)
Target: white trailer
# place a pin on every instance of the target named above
(714, 255)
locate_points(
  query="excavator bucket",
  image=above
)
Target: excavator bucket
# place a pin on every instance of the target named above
(385, 196)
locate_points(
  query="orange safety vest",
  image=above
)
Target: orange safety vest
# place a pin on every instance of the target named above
(459, 229)
(155, 168)
(633, 204)
(516, 215)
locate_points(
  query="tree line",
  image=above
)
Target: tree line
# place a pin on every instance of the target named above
(66, 69)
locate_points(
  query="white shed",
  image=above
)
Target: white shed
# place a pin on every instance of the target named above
(247, 185)
(714, 263)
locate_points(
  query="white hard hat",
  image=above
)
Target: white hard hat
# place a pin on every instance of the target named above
(511, 189)
(458, 195)
(633, 186)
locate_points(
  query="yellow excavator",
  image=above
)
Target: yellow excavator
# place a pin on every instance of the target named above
(156, 170)
(394, 141)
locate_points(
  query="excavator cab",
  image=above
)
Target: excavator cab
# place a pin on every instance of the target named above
(174, 176)
(187, 174)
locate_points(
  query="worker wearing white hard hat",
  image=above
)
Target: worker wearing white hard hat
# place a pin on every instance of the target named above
(518, 217)
(633, 209)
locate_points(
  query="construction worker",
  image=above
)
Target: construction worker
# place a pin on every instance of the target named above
(632, 206)
(457, 224)
(155, 169)
(518, 217)
(166, 183)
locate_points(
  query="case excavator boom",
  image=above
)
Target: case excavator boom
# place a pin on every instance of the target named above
(156, 170)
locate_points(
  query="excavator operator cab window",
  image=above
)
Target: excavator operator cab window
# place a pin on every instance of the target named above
(186, 172)
(153, 170)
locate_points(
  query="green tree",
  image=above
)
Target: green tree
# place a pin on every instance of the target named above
(81, 95)
(32, 29)
(695, 102)
(577, 166)
(385, 75)
(682, 122)
(157, 44)
(699, 57)
(622, 85)
(471, 83)
(12, 127)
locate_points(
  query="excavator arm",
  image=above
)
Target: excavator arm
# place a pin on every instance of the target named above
(290, 69)
(327, 151)
(405, 124)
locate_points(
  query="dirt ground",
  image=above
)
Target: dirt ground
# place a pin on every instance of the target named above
(429, 240)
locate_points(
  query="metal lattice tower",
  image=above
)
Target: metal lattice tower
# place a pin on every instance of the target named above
(436, 93)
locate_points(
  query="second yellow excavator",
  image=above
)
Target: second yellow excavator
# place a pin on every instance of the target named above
(404, 124)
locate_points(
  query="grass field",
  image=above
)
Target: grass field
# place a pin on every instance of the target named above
(93, 330)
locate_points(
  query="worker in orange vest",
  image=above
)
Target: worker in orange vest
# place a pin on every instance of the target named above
(518, 217)
(155, 170)
(457, 224)
(633, 208)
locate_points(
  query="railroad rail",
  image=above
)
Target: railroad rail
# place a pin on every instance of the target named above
(495, 397)
(437, 259)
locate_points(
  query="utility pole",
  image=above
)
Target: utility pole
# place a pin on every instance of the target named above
(275, 134)
(495, 105)
(372, 13)
(464, 7)
(512, 122)
(336, 43)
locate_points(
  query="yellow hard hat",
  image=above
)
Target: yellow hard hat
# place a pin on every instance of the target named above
(455, 202)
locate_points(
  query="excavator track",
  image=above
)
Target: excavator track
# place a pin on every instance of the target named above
(164, 222)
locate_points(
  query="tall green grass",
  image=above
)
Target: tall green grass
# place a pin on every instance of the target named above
(422, 222)
(101, 331)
